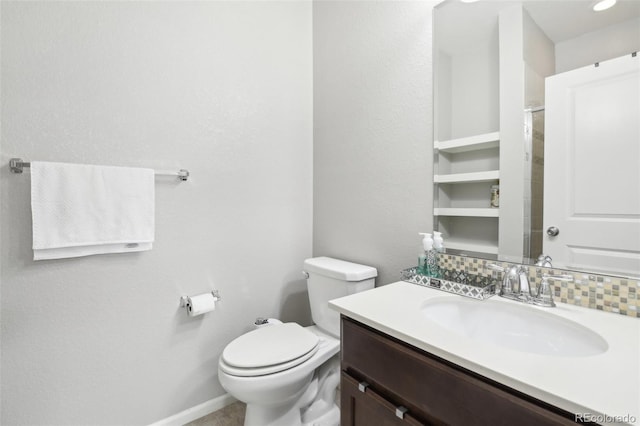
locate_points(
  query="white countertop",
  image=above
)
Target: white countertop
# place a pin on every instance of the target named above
(604, 384)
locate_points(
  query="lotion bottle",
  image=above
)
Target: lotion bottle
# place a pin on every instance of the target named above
(431, 256)
(422, 262)
(438, 242)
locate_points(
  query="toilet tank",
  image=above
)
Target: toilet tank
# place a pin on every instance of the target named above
(332, 278)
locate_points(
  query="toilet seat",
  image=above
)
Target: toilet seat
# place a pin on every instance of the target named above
(264, 371)
(269, 350)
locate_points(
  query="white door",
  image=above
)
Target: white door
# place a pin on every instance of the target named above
(592, 167)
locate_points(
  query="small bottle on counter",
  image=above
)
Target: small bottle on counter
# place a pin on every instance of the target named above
(423, 268)
(495, 196)
(431, 267)
(422, 262)
(438, 242)
(432, 263)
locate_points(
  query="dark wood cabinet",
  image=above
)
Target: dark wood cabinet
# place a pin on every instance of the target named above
(369, 408)
(380, 374)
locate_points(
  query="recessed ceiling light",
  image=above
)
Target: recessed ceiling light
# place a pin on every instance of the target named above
(603, 5)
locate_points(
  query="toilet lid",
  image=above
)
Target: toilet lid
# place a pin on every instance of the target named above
(270, 369)
(270, 346)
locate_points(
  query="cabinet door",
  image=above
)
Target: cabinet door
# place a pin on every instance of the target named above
(368, 408)
(435, 390)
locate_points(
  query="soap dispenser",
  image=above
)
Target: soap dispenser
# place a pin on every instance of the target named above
(438, 242)
(431, 268)
(422, 256)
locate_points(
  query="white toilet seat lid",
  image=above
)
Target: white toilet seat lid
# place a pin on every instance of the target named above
(270, 346)
(264, 371)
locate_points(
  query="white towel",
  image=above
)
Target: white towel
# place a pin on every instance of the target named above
(80, 210)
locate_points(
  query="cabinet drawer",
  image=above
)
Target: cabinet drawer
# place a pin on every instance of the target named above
(431, 388)
(368, 408)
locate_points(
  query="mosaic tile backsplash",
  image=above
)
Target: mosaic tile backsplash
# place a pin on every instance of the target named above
(603, 292)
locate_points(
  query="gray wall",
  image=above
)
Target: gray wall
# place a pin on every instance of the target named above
(372, 132)
(223, 89)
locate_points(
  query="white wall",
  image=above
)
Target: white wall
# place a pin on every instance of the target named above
(475, 89)
(372, 131)
(223, 89)
(512, 100)
(468, 86)
(539, 57)
(442, 95)
(597, 46)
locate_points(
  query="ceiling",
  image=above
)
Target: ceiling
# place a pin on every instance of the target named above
(457, 22)
(563, 20)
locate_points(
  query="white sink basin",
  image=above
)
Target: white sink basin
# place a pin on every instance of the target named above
(515, 326)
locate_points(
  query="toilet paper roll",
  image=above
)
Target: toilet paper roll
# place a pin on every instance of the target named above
(200, 304)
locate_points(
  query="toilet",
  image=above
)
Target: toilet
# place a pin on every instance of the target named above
(288, 374)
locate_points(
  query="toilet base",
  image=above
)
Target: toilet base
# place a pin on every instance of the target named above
(331, 418)
(286, 415)
(314, 406)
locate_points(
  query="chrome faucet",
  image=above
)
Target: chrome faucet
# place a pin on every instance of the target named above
(524, 290)
(516, 285)
(515, 282)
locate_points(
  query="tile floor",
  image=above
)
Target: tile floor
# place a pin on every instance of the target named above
(231, 415)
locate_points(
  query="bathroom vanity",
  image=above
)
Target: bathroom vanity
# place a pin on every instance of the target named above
(401, 367)
(432, 390)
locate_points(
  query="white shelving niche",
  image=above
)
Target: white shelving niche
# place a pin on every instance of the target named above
(467, 134)
(471, 143)
(467, 168)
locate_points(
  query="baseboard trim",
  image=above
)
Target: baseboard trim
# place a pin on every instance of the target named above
(200, 410)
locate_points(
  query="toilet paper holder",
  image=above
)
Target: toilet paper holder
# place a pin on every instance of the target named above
(214, 293)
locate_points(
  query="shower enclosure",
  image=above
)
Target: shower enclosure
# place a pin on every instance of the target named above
(534, 181)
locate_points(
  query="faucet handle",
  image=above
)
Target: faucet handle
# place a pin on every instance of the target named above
(544, 261)
(505, 286)
(544, 295)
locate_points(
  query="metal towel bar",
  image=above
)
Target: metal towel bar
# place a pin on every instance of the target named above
(17, 165)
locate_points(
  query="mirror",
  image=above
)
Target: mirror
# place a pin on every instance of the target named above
(493, 61)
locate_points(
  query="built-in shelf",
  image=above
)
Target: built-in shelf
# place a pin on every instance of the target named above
(469, 212)
(469, 245)
(471, 143)
(468, 177)
(475, 229)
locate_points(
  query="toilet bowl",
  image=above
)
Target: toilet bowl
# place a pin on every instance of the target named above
(288, 374)
(276, 398)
